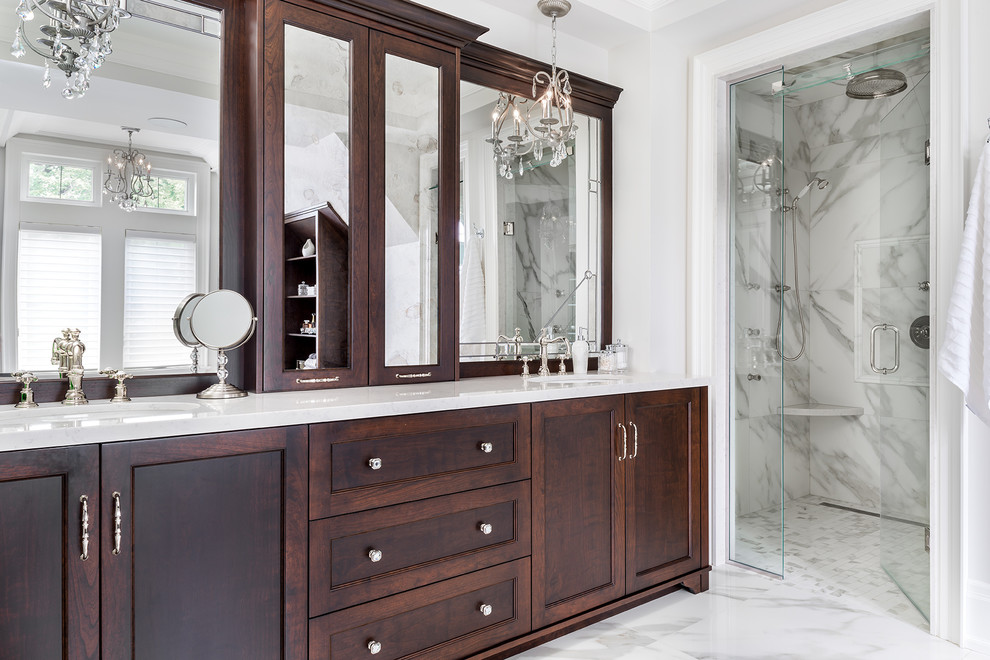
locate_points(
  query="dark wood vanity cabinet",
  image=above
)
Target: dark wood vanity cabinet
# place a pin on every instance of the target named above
(210, 561)
(468, 533)
(619, 498)
(50, 578)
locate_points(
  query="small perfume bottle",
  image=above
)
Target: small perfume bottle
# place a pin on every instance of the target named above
(303, 289)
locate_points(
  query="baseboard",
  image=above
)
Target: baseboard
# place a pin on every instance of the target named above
(976, 634)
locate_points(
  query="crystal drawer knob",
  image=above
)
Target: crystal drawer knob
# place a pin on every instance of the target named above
(374, 647)
(487, 447)
(485, 609)
(375, 555)
(375, 464)
(485, 528)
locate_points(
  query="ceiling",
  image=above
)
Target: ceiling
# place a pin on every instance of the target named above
(155, 71)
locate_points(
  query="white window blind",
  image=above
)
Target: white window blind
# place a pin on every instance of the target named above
(159, 271)
(58, 286)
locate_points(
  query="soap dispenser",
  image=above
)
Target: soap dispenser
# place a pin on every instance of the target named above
(579, 353)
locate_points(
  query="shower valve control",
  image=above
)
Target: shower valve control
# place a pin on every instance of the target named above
(754, 377)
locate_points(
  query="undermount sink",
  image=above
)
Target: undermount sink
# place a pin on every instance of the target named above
(575, 379)
(60, 416)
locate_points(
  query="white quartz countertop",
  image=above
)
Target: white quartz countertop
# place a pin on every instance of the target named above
(55, 425)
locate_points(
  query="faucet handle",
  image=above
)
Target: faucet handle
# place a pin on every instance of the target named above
(526, 360)
(25, 378)
(120, 391)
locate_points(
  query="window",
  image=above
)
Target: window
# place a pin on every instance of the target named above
(159, 271)
(61, 181)
(58, 286)
(170, 194)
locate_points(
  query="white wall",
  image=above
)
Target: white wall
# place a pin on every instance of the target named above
(976, 437)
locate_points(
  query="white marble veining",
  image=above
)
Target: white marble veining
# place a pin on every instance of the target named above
(290, 408)
(745, 615)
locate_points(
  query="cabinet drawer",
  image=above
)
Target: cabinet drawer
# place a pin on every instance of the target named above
(369, 463)
(419, 542)
(440, 621)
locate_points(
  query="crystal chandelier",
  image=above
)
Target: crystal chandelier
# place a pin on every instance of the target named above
(556, 116)
(128, 175)
(88, 21)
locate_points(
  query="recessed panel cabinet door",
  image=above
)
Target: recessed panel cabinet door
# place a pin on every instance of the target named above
(666, 503)
(49, 556)
(578, 556)
(211, 557)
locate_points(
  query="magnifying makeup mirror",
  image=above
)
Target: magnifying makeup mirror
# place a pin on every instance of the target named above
(220, 320)
(180, 325)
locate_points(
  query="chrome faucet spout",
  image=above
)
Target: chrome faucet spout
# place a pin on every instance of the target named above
(67, 352)
(545, 342)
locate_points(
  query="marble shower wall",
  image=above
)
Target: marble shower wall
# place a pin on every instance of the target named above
(876, 208)
(868, 253)
(538, 260)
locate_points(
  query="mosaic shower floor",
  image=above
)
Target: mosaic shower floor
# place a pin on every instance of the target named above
(841, 553)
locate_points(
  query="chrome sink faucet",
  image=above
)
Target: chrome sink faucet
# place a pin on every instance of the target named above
(67, 353)
(545, 342)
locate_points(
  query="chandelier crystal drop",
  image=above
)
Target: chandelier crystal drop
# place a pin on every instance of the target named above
(545, 123)
(128, 175)
(73, 35)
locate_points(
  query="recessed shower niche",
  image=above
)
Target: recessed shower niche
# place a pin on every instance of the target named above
(829, 224)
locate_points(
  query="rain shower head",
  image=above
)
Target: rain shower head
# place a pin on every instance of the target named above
(876, 84)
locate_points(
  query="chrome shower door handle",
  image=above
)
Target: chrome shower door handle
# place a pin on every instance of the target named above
(885, 327)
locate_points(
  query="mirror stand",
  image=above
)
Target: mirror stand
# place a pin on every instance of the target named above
(223, 389)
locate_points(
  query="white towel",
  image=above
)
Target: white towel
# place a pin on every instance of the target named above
(965, 354)
(473, 294)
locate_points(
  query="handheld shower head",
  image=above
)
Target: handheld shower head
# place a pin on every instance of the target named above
(822, 185)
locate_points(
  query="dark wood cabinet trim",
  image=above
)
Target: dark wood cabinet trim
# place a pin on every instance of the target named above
(404, 19)
(514, 73)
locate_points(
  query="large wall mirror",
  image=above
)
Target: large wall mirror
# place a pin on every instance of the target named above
(72, 255)
(528, 241)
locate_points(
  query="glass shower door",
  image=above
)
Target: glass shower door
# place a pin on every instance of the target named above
(756, 383)
(895, 290)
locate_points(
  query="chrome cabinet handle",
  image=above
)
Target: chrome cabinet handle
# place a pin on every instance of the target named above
(485, 609)
(375, 647)
(375, 555)
(635, 440)
(375, 464)
(873, 348)
(85, 528)
(487, 447)
(485, 528)
(116, 523)
(425, 374)
(625, 438)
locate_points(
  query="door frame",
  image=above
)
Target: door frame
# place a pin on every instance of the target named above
(708, 350)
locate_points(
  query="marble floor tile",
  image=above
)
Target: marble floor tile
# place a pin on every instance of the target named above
(747, 615)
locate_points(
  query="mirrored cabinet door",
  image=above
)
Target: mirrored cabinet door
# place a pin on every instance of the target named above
(316, 220)
(413, 231)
